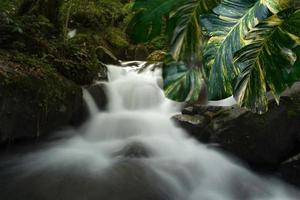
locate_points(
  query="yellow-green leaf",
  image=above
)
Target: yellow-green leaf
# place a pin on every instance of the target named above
(268, 61)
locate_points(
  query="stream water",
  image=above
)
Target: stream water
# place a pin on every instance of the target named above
(133, 151)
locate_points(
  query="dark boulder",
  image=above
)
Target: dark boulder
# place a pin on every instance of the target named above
(99, 93)
(35, 102)
(134, 150)
(106, 56)
(290, 170)
(259, 140)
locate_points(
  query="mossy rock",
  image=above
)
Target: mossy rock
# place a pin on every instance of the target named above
(94, 15)
(35, 100)
(47, 8)
(78, 60)
(31, 34)
(117, 38)
(158, 43)
(156, 56)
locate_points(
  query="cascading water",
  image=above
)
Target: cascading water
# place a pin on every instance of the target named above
(91, 105)
(134, 152)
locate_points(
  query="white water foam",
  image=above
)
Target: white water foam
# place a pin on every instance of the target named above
(90, 102)
(137, 129)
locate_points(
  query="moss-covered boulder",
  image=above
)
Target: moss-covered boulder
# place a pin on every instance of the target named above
(93, 14)
(35, 36)
(78, 63)
(35, 100)
(31, 34)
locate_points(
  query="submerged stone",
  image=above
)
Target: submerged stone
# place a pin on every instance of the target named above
(134, 150)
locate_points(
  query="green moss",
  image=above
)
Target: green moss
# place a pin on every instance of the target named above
(31, 34)
(23, 74)
(94, 14)
(33, 39)
(77, 60)
(47, 8)
(158, 43)
(116, 37)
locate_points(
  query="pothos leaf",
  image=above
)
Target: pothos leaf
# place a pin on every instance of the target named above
(269, 60)
(180, 82)
(226, 27)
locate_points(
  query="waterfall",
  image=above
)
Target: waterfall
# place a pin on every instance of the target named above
(90, 102)
(134, 151)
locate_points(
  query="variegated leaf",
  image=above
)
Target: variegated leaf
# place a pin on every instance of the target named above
(181, 83)
(226, 27)
(268, 61)
(185, 29)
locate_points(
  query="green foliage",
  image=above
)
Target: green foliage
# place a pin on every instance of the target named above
(104, 19)
(8, 6)
(47, 8)
(180, 22)
(116, 37)
(149, 19)
(92, 14)
(181, 83)
(268, 61)
(76, 62)
(39, 30)
(27, 74)
(26, 33)
(226, 27)
(185, 29)
(297, 63)
(212, 32)
(157, 56)
(160, 42)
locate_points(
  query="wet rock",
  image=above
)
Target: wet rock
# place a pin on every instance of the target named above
(134, 150)
(106, 56)
(189, 111)
(290, 171)
(192, 124)
(262, 141)
(99, 94)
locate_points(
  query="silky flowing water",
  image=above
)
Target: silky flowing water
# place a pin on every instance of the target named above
(133, 151)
